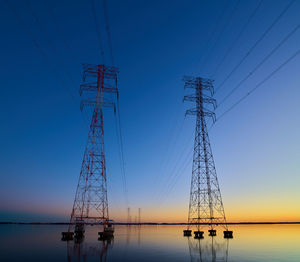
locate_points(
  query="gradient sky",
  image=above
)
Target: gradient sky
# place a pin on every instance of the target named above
(155, 43)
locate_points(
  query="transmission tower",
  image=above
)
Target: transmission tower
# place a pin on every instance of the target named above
(139, 218)
(128, 216)
(206, 206)
(90, 204)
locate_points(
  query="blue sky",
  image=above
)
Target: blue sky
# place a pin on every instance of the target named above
(155, 43)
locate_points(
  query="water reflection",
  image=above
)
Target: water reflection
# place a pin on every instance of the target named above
(79, 250)
(208, 250)
(252, 243)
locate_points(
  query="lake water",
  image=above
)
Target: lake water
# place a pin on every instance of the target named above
(151, 243)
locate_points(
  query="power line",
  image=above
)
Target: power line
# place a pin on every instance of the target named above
(222, 31)
(58, 29)
(119, 134)
(122, 154)
(67, 48)
(174, 172)
(50, 43)
(175, 132)
(120, 159)
(42, 30)
(289, 35)
(175, 178)
(107, 27)
(236, 39)
(43, 54)
(213, 32)
(256, 43)
(98, 31)
(261, 83)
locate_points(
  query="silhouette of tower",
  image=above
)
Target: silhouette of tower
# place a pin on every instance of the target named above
(139, 217)
(128, 216)
(205, 205)
(90, 204)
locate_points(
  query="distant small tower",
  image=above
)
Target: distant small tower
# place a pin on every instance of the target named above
(206, 207)
(128, 216)
(139, 218)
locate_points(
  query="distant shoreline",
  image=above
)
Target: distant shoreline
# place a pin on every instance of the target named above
(154, 224)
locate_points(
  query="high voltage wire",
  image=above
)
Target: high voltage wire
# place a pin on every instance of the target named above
(288, 36)
(256, 43)
(50, 43)
(42, 30)
(215, 29)
(122, 154)
(175, 178)
(173, 169)
(98, 31)
(107, 27)
(175, 132)
(43, 54)
(231, 15)
(121, 159)
(67, 48)
(236, 39)
(260, 83)
(58, 29)
(174, 173)
(121, 151)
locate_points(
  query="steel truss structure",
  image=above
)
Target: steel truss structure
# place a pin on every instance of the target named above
(206, 206)
(90, 204)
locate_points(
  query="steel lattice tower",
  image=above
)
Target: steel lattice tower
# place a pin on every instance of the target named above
(90, 204)
(206, 206)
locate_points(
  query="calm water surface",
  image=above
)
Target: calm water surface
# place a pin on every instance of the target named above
(151, 243)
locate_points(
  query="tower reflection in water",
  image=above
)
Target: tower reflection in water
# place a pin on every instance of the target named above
(79, 250)
(208, 250)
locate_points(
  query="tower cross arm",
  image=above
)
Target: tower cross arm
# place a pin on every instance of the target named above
(87, 102)
(196, 111)
(92, 87)
(205, 99)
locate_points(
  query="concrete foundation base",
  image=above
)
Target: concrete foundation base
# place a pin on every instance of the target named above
(228, 234)
(187, 233)
(66, 236)
(198, 234)
(105, 235)
(212, 232)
